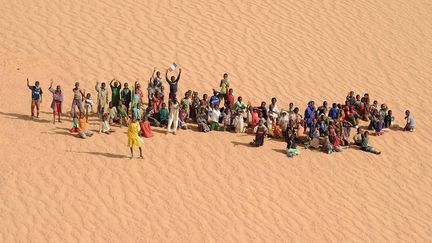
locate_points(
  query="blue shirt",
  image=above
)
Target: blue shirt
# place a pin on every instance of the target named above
(36, 92)
(215, 100)
(333, 113)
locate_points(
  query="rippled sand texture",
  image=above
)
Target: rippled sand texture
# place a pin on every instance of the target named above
(197, 187)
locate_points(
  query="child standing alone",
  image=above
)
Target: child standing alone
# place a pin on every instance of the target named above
(133, 137)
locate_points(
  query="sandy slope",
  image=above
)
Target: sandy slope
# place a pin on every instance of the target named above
(197, 187)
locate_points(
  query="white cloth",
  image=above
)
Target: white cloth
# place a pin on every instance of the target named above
(214, 115)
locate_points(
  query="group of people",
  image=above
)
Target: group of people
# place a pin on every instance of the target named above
(320, 127)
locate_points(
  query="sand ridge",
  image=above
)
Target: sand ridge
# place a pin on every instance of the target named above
(197, 187)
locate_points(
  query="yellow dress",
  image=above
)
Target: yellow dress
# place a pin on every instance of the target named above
(133, 138)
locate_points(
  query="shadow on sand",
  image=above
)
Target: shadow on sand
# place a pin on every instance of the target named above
(23, 117)
(283, 151)
(242, 144)
(108, 155)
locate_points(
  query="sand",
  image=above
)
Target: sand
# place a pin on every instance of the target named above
(196, 187)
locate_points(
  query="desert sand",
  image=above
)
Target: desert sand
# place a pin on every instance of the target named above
(196, 187)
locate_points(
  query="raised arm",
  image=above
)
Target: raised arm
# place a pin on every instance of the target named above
(178, 77)
(97, 86)
(28, 83)
(50, 87)
(152, 76)
(133, 94)
(166, 77)
(112, 82)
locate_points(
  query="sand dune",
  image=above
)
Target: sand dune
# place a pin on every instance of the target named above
(197, 187)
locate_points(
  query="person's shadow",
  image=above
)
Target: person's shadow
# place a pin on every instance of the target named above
(283, 151)
(235, 143)
(109, 155)
(22, 117)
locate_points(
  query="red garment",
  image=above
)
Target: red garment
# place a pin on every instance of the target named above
(347, 110)
(157, 104)
(255, 119)
(57, 107)
(229, 98)
(300, 130)
(332, 131)
(146, 130)
(337, 141)
(74, 130)
(277, 131)
(138, 91)
(343, 116)
(362, 107)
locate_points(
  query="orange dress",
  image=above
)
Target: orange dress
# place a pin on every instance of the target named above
(277, 131)
(146, 129)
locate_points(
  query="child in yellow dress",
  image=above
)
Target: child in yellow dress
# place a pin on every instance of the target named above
(133, 138)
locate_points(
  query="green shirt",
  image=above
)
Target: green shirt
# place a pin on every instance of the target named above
(115, 95)
(238, 105)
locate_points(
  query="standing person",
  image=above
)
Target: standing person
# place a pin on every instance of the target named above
(137, 90)
(173, 115)
(215, 98)
(133, 136)
(36, 97)
(195, 105)
(410, 122)
(323, 109)
(187, 101)
(229, 99)
(88, 105)
(57, 101)
(126, 97)
(102, 98)
(77, 98)
(309, 113)
(136, 99)
(173, 83)
(273, 109)
(263, 110)
(333, 111)
(151, 88)
(157, 81)
(224, 86)
(115, 92)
